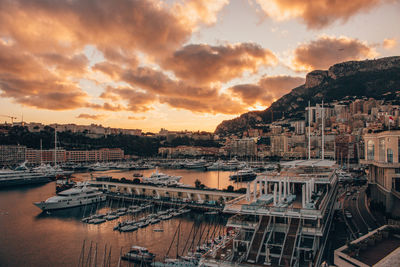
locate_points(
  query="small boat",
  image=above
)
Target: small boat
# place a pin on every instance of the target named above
(128, 228)
(158, 230)
(246, 174)
(122, 209)
(166, 217)
(154, 221)
(138, 254)
(111, 217)
(97, 221)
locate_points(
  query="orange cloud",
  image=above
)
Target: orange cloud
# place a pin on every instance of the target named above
(157, 82)
(222, 104)
(29, 81)
(136, 118)
(267, 89)
(137, 101)
(68, 26)
(91, 117)
(201, 63)
(389, 43)
(326, 51)
(193, 12)
(316, 14)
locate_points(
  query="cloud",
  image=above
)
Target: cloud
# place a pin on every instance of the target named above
(222, 104)
(90, 117)
(136, 118)
(389, 43)
(137, 101)
(157, 82)
(193, 12)
(267, 89)
(145, 25)
(66, 65)
(202, 63)
(37, 81)
(326, 51)
(106, 106)
(316, 14)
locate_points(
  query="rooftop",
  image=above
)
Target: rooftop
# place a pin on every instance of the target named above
(380, 247)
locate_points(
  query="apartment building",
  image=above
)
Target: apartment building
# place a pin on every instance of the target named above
(383, 158)
(12, 154)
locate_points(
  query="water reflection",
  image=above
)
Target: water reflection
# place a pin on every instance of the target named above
(30, 237)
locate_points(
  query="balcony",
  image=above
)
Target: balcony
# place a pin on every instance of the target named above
(380, 163)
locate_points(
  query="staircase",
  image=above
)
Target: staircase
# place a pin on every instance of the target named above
(257, 240)
(290, 242)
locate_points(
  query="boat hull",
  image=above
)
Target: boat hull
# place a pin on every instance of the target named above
(23, 181)
(68, 204)
(243, 178)
(137, 258)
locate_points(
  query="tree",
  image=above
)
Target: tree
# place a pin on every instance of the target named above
(230, 188)
(197, 183)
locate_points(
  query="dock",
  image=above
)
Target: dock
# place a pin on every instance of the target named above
(191, 197)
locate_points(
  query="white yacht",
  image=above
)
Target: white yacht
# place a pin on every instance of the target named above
(218, 165)
(80, 195)
(246, 174)
(52, 171)
(234, 164)
(21, 176)
(196, 164)
(162, 178)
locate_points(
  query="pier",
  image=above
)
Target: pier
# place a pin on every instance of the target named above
(195, 198)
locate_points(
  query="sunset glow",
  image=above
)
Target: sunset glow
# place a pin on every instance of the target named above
(178, 65)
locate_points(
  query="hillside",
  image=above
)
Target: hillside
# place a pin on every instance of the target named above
(369, 78)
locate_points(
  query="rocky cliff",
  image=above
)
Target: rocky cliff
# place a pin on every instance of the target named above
(369, 78)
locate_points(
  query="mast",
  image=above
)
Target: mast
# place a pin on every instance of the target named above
(309, 131)
(55, 146)
(323, 131)
(41, 154)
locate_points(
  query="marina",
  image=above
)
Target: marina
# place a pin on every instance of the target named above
(65, 230)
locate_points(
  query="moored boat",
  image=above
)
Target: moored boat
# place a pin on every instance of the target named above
(246, 174)
(138, 254)
(80, 195)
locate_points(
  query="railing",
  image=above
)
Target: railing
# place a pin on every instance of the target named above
(263, 238)
(254, 235)
(238, 222)
(295, 241)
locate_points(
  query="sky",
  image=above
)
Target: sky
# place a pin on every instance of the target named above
(179, 65)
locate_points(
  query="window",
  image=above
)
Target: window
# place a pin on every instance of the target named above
(381, 150)
(370, 150)
(398, 150)
(396, 184)
(389, 155)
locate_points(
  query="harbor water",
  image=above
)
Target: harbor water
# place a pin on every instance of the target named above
(29, 237)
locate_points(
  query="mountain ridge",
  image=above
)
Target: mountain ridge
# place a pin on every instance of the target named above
(368, 78)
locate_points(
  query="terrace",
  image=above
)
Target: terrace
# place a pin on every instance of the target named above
(376, 248)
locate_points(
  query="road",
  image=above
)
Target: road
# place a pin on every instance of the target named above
(362, 220)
